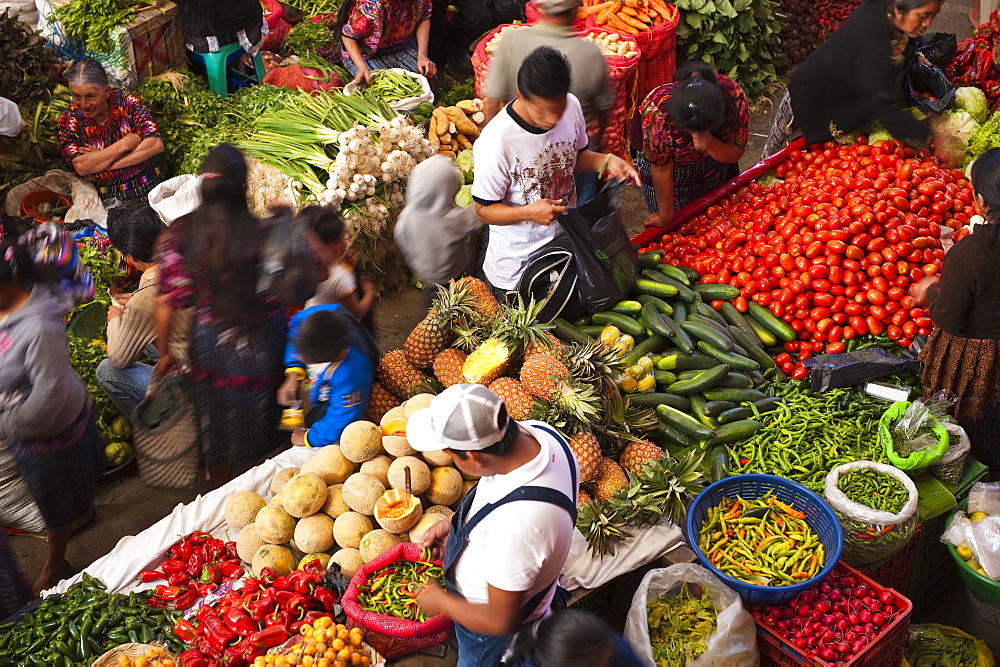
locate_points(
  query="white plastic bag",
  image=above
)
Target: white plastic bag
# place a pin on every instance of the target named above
(984, 539)
(866, 535)
(24, 10)
(734, 642)
(407, 103)
(950, 467)
(958, 530)
(984, 497)
(176, 197)
(85, 202)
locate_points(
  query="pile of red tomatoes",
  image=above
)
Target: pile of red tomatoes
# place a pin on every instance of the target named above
(834, 244)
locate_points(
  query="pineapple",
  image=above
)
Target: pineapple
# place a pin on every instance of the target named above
(637, 454)
(486, 308)
(595, 363)
(610, 479)
(520, 404)
(401, 378)
(582, 498)
(487, 362)
(434, 332)
(602, 526)
(547, 344)
(379, 403)
(542, 375)
(587, 452)
(512, 332)
(448, 366)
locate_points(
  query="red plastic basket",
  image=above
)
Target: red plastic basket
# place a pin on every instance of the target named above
(481, 60)
(886, 651)
(533, 15)
(621, 72)
(390, 635)
(894, 572)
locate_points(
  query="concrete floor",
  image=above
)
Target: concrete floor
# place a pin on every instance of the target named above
(126, 506)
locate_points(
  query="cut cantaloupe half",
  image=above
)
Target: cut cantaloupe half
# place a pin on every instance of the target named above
(395, 427)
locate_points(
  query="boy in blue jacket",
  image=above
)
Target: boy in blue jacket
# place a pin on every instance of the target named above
(326, 343)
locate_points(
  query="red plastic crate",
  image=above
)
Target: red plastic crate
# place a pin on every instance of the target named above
(895, 571)
(886, 651)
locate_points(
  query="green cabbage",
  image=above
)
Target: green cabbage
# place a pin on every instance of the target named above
(878, 133)
(973, 100)
(463, 197)
(464, 162)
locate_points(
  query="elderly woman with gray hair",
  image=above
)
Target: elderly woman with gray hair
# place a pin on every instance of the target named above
(109, 137)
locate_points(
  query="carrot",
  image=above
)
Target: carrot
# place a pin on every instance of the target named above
(616, 23)
(596, 9)
(632, 21)
(660, 8)
(608, 11)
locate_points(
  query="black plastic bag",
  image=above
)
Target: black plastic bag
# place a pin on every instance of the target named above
(847, 369)
(938, 47)
(929, 80)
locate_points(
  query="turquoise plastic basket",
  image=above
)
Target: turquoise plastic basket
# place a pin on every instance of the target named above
(819, 516)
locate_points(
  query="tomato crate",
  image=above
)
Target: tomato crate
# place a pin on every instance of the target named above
(894, 571)
(886, 651)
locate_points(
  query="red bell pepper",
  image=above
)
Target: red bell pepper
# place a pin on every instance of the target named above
(280, 583)
(210, 574)
(301, 582)
(268, 637)
(181, 551)
(192, 658)
(325, 597)
(313, 616)
(280, 617)
(982, 66)
(194, 564)
(260, 609)
(215, 547)
(156, 602)
(315, 568)
(207, 647)
(231, 552)
(198, 537)
(147, 576)
(186, 632)
(230, 571)
(185, 600)
(167, 592)
(204, 589)
(178, 579)
(297, 605)
(251, 585)
(281, 597)
(173, 566)
(267, 575)
(294, 627)
(240, 622)
(203, 612)
(966, 51)
(216, 632)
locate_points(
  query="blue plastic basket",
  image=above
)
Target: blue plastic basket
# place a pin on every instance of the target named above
(819, 516)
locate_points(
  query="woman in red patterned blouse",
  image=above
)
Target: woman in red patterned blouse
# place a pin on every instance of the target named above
(694, 132)
(382, 34)
(109, 137)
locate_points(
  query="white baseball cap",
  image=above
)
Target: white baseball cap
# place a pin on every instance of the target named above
(466, 417)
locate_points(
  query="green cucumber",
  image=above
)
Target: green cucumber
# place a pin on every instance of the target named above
(706, 334)
(653, 320)
(674, 273)
(641, 349)
(624, 323)
(767, 338)
(706, 310)
(692, 275)
(680, 311)
(736, 380)
(654, 288)
(735, 318)
(684, 292)
(735, 361)
(715, 326)
(673, 435)
(746, 412)
(653, 399)
(716, 292)
(681, 361)
(658, 303)
(678, 336)
(592, 330)
(735, 431)
(771, 322)
(582, 321)
(627, 307)
(664, 378)
(563, 330)
(688, 375)
(698, 410)
(716, 408)
(705, 380)
(734, 395)
(753, 350)
(758, 378)
(650, 258)
(655, 276)
(683, 422)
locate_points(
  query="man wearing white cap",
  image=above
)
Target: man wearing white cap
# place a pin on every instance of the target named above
(506, 545)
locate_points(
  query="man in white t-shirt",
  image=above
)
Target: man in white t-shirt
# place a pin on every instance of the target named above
(506, 545)
(525, 161)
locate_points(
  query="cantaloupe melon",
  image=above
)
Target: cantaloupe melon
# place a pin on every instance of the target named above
(275, 500)
(280, 478)
(437, 458)
(396, 512)
(439, 509)
(420, 474)
(398, 412)
(361, 441)
(314, 533)
(466, 487)
(421, 527)
(378, 468)
(334, 505)
(397, 445)
(376, 543)
(241, 508)
(446, 486)
(278, 558)
(274, 524)
(348, 560)
(330, 464)
(418, 402)
(361, 492)
(324, 560)
(470, 477)
(303, 494)
(349, 528)
(248, 541)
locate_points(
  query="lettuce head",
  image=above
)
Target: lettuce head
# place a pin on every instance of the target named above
(973, 101)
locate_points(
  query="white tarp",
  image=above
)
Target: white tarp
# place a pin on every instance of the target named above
(119, 568)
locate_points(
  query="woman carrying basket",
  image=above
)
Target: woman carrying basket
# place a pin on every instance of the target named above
(694, 132)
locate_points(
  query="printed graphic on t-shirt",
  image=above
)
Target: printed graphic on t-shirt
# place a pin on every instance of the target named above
(549, 175)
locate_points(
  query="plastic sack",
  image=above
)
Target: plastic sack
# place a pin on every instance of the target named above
(86, 203)
(175, 197)
(734, 642)
(951, 466)
(288, 269)
(407, 103)
(870, 534)
(957, 531)
(984, 497)
(847, 369)
(924, 82)
(927, 642)
(984, 540)
(938, 47)
(925, 451)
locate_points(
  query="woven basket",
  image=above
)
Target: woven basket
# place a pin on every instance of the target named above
(110, 658)
(168, 454)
